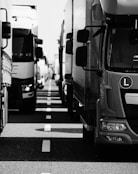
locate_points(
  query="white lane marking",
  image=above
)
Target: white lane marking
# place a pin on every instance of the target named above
(48, 117)
(14, 110)
(48, 103)
(46, 97)
(51, 109)
(49, 94)
(48, 109)
(46, 144)
(47, 127)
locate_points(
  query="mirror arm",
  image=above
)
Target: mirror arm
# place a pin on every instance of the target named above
(94, 26)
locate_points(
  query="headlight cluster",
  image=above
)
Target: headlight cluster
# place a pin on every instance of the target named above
(112, 126)
(27, 88)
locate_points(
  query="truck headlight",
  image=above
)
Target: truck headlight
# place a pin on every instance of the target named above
(27, 88)
(112, 126)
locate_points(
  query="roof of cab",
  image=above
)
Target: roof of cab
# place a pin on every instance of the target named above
(120, 7)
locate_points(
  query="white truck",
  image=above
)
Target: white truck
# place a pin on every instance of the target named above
(103, 90)
(25, 54)
(5, 59)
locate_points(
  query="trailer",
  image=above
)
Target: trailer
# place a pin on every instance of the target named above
(103, 91)
(5, 59)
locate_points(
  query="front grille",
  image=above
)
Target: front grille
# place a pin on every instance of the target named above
(131, 111)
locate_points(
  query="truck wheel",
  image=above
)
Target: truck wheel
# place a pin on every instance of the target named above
(88, 136)
(1, 121)
(31, 109)
(27, 107)
(63, 97)
(60, 87)
(70, 100)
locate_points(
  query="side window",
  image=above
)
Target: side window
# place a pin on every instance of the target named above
(97, 14)
(96, 19)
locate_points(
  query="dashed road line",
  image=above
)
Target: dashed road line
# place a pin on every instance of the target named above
(48, 102)
(47, 127)
(48, 117)
(46, 146)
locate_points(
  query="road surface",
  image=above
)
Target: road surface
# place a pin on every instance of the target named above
(48, 141)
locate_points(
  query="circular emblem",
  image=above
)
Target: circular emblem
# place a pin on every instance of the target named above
(126, 82)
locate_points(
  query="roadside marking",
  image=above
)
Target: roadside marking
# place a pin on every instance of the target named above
(14, 110)
(56, 109)
(48, 98)
(49, 94)
(48, 117)
(51, 109)
(48, 102)
(46, 146)
(48, 109)
(47, 127)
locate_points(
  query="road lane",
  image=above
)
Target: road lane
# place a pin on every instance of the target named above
(67, 168)
(27, 136)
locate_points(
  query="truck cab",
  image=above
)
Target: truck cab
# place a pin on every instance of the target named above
(104, 73)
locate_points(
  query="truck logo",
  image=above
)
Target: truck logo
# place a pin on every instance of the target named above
(126, 82)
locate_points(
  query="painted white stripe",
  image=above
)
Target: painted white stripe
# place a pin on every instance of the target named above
(49, 94)
(61, 130)
(48, 117)
(47, 127)
(48, 98)
(48, 110)
(14, 110)
(51, 109)
(46, 146)
(48, 102)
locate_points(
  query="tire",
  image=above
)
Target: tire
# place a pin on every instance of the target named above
(88, 136)
(28, 106)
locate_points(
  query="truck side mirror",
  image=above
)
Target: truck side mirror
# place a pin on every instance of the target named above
(38, 41)
(38, 52)
(82, 36)
(69, 47)
(81, 56)
(6, 30)
(69, 36)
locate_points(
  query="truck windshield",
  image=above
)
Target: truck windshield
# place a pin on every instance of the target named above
(122, 49)
(22, 49)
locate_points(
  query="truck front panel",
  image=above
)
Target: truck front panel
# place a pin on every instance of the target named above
(118, 121)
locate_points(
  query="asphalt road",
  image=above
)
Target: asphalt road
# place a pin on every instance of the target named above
(48, 141)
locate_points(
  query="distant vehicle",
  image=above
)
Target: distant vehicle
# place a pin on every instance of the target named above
(5, 59)
(42, 72)
(25, 54)
(100, 84)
